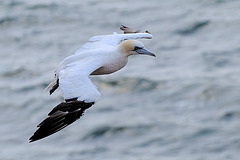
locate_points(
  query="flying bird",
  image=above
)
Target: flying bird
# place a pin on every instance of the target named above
(101, 55)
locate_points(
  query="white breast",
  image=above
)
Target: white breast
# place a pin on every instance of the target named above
(114, 64)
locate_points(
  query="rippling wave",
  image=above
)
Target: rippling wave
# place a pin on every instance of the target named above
(184, 104)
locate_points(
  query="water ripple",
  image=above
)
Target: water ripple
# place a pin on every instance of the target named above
(193, 28)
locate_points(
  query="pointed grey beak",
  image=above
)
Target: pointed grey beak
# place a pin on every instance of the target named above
(145, 51)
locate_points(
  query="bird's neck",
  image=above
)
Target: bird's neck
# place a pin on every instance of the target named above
(124, 50)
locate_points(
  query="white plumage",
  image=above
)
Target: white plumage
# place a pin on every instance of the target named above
(103, 54)
(99, 51)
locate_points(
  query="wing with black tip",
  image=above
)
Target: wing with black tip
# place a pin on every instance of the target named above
(61, 116)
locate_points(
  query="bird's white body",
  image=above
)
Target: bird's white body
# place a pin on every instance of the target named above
(101, 55)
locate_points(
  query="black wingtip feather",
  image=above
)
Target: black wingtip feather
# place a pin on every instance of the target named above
(61, 116)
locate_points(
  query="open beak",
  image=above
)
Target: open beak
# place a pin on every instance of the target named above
(145, 51)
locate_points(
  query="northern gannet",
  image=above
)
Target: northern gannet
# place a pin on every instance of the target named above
(102, 54)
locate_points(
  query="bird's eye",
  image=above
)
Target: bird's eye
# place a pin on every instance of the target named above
(136, 48)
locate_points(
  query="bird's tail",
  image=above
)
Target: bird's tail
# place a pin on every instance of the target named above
(54, 84)
(61, 116)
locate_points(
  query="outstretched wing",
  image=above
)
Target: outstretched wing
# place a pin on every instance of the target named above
(61, 116)
(113, 39)
(79, 93)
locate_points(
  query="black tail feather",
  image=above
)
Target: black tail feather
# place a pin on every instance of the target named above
(61, 116)
(54, 87)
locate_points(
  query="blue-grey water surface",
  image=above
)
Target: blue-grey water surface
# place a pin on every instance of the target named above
(182, 105)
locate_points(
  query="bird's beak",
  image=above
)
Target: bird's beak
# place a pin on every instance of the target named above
(145, 51)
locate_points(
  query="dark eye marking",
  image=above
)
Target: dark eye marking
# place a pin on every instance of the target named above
(136, 48)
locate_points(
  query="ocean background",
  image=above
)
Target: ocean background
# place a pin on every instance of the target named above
(182, 105)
